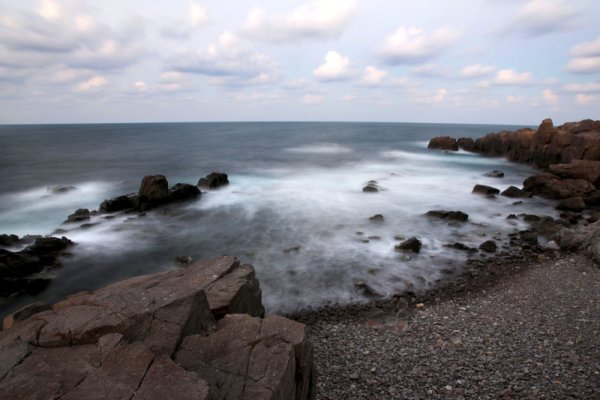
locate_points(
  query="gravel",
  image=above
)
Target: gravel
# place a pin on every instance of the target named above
(522, 328)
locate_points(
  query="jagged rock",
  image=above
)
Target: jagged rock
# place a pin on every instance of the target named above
(552, 187)
(183, 191)
(485, 190)
(119, 203)
(571, 204)
(82, 214)
(466, 144)
(156, 337)
(488, 246)
(515, 192)
(494, 174)
(450, 215)
(443, 143)
(410, 245)
(213, 180)
(578, 169)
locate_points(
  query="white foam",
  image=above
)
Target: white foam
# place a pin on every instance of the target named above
(320, 148)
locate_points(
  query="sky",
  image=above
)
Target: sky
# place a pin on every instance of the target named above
(460, 61)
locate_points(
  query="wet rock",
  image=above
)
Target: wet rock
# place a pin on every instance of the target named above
(82, 214)
(376, 218)
(552, 187)
(466, 144)
(449, 215)
(443, 143)
(291, 249)
(7, 240)
(571, 204)
(511, 216)
(460, 246)
(366, 290)
(370, 188)
(410, 245)
(119, 203)
(182, 261)
(59, 189)
(154, 191)
(488, 246)
(485, 190)
(494, 174)
(515, 192)
(183, 191)
(592, 199)
(214, 180)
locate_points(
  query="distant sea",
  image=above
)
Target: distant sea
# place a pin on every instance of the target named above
(294, 209)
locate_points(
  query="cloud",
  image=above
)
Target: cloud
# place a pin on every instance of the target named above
(320, 19)
(589, 87)
(429, 71)
(584, 99)
(540, 17)
(91, 84)
(313, 99)
(550, 97)
(373, 76)
(229, 62)
(409, 45)
(511, 77)
(477, 71)
(335, 68)
(586, 57)
(198, 15)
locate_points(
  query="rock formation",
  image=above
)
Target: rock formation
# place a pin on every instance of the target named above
(443, 143)
(213, 180)
(190, 333)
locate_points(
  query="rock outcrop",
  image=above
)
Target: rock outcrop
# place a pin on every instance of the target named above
(443, 143)
(190, 333)
(213, 180)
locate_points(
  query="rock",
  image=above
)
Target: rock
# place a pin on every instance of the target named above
(578, 169)
(494, 174)
(552, 187)
(485, 190)
(460, 246)
(24, 313)
(419, 305)
(59, 189)
(449, 215)
(443, 143)
(82, 214)
(182, 261)
(214, 180)
(467, 144)
(154, 191)
(183, 191)
(291, 249)
(370, 188)
(592, 199)
(9, 240)
(377, 218)
(576, 204)
(119, 203)
(410, 245)
(488, 246)
(515, 192)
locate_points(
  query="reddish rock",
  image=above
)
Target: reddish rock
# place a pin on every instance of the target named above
(552, 187)
(24, 313)
(443, 143)
(576, 204)
(466, 144)
(578, 169)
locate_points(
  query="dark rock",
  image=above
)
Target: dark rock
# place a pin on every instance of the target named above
(58, 189)
(410, 245)
(119, 203)
(291, 249)
(449, 215)
(182, 261)
(488, 246)
(515, 192)
(571, 204)
(154, 191)
(370, 188)
(82, 214)
(494, 174)
(183, 191)
(366, 290)
(376, 218)
(467, 144)
(511, 216)
(9, 240)
(460, 246)
(552, 187)
(485, 190)
(592, 199)
(530, 217)
(443, 143)
(214, 180)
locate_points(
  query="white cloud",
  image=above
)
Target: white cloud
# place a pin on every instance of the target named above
(587, 49)
(425, 98)
(93, 83)
(584, 99)
(140, 85)
(313, 99)
(296, 84)
(198, 15)
(335, 67)
(49, 9)
(550, 97)
(539, 17)
(409, 45)
(511, 99)
(477, 71)
(320, 19)
(429, 71)
(511, 77)
(588, 87)
(584, 65)
(373, 76)
(230, 62)
(348, 98)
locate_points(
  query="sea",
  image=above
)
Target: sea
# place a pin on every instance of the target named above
(294, 208)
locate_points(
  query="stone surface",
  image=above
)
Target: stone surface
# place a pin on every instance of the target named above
(449, 215)
(466, 144)
(552, 187)
(24, 313)
(576, 204)
(154, 190)
(410, 245)
(82, 214)
(443, 143)
(183, 191)
(515, 192)
(578, 169)
(370, 188)
(214, 180)
(119, 203)
(485, 190)
(157, 337)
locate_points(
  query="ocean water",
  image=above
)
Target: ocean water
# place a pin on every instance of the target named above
(291, 185)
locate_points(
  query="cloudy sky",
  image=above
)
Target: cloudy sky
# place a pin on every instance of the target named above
(479, 61)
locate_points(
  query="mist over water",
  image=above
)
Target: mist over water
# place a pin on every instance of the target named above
(294, 209)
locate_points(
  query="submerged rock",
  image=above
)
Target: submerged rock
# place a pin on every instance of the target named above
(370, 188)
(377, 218)
(494, 174)
(183, 191)
(119, 203)
(214, 180)
(59, 189)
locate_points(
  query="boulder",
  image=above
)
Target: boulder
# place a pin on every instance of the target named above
(156, 337)
(82, 214)
(552, 187)
(449, 215)
(213, 180)
(578, 169)
(443, 143)
(7, 240)
(592, 199)
(494, 174)
(467, 144)
(515, 192)
(576, 204)
(410, 245)
(488, 246)
(183, 191)
(485, 190)
(371, 188)
(119, 203)
(377, 218)
(154, 190)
